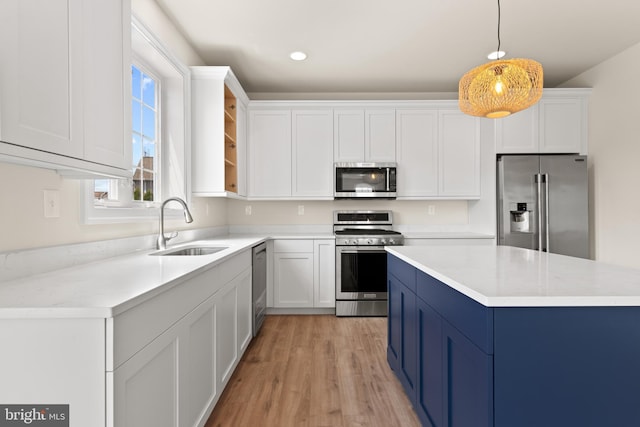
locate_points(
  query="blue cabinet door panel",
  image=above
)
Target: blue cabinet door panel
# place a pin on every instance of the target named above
(470, 317)
(567, 366)
(429, 401)
(405, 272)
(402, 347)
(468, 382)
(394, 321)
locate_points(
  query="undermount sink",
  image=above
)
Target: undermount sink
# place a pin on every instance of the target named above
(192, 251)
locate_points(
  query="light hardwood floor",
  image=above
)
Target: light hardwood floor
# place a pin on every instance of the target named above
(315, 371)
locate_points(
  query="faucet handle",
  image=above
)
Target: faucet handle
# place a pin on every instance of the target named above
(170, 236)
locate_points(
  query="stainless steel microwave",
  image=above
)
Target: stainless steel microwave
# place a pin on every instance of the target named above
(365, 180)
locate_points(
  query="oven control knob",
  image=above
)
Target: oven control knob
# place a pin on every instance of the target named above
(392, 242)
(383, 241)
(354, 242)
(369, 242)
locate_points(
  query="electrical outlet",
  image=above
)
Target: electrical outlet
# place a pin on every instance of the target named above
(431, 210)
(300, 209)
(51, 202)
(247, 210)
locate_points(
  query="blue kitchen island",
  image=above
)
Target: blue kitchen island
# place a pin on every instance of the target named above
(508, 337)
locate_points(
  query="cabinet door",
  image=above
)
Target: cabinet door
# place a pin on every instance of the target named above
(245, 310)
(380, 135)
(146, 386)
(324, 274)
(518, 133)
(312, 169)
(429, 397)
(41, 49)
(270, 153)
(402, 335)
(226, 300)
(293, 279)
(417, 153)
(561, 125)
(198, 385)
(348, 138)
(459, 154)
(468, 381)
(107, 82)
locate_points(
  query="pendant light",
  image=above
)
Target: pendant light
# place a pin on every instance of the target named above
(500, 87)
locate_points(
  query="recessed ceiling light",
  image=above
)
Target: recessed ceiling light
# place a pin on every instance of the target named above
(298, 56)
(496, 54)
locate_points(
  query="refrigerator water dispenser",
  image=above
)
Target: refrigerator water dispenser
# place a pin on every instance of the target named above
(520, 219)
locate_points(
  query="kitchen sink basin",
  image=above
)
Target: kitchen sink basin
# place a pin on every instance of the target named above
(192, 251)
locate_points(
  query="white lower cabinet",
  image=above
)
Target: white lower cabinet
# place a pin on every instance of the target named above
(177, 378)
(303, 273)
(293, 273)
(146, 386)
(324, 273)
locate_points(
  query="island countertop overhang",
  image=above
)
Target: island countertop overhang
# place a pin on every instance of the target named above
(504, 276)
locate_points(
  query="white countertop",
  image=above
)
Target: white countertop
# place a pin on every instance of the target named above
(503, 276)
(108, 287)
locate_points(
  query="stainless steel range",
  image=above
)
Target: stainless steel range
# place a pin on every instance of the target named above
(361, 261)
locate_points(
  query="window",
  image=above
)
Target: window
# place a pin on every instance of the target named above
(144, 120)
(159, 112)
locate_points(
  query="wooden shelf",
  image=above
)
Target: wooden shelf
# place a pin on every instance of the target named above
(230, 152)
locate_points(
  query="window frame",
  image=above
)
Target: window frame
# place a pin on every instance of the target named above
(174, 77)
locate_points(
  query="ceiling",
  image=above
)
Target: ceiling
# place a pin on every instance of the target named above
(395, 46)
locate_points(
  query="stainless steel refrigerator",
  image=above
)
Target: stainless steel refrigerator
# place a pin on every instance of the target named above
(543, 203)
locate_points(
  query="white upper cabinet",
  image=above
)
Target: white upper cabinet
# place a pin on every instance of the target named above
(270, 153)
(65, 84)
(364, 135)
(417, 153)
(312, 153)
(562, 124)
(518, 133)
(348, 135)
(218, 118)
(557, 124)
(459, 154)
(438, 153)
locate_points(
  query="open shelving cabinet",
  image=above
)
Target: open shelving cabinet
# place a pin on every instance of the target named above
(230, 142)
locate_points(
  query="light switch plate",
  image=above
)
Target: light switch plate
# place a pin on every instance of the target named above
(51, 201)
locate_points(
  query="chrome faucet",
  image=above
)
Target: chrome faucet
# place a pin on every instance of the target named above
(162, 239)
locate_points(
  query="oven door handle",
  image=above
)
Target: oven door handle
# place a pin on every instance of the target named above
(362, 249)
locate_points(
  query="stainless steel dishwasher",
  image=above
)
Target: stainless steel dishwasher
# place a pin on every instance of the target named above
(259, 285)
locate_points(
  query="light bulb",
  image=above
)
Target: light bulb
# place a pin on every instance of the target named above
(499, 86)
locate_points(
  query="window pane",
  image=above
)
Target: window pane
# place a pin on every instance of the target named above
(149, 150)
(136, 90)
(101, 189)
(137, 149)
(149, 122)
(136, 116)
(137, 185)
(148, 91)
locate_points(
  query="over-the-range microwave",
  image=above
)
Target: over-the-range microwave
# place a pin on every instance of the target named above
(365, 180)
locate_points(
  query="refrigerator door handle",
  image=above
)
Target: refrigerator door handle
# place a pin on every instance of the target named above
(545, 179)
(538, 179)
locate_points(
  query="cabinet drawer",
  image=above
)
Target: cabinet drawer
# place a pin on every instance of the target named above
(471, 318)
(403, 271)
(293, 246)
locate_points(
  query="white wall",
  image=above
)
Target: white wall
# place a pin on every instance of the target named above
(22, 219)
(614, 156)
